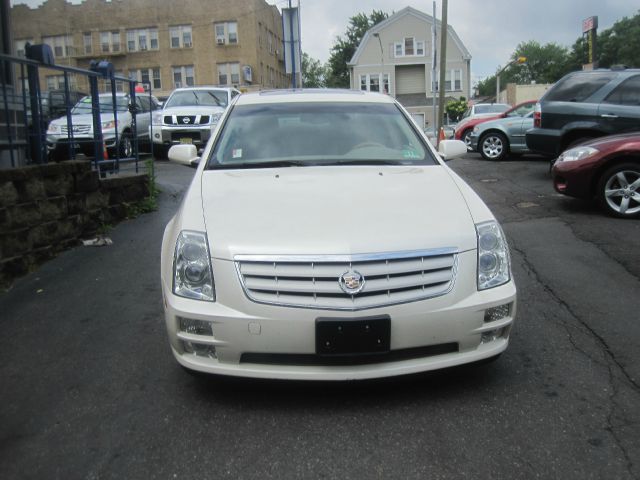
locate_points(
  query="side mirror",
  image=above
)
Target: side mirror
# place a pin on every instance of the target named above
(185, 155)
(450, 149)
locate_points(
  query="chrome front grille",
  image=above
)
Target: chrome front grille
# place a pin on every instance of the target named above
(77, 129)
(186, 120)
(314, 281)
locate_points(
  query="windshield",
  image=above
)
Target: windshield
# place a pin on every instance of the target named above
(306, 134)
(494, 108)
(208, 98)
(106, 105)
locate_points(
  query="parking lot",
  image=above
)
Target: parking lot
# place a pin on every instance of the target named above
(91, 390)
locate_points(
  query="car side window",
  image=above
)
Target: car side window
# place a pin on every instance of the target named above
(578, 87)
(234, 94)
(143, 103)
(627, 93)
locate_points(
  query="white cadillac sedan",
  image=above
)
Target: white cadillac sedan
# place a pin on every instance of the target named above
(323, 238)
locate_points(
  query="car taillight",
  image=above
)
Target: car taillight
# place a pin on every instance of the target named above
(537, 116)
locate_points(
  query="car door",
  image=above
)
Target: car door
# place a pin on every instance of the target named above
(143, 117)
(620, 111)
(517, 129)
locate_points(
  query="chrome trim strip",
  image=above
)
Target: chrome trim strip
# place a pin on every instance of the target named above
(358, 257)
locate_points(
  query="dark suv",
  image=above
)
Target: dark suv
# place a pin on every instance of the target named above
(585, 105)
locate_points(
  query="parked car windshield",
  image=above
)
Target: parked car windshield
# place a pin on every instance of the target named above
(494, 108)
(208, 98)
(306, 134)
(106, 105)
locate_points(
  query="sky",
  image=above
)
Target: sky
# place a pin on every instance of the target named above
(490, 29)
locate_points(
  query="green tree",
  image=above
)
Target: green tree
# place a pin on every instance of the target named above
(456, 108)
(313, 72)
(344, 47)
(545, 64)
(620, 44)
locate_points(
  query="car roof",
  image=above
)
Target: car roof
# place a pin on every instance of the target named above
(312, 95)
(202, 87)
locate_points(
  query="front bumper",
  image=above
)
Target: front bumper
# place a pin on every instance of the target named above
(544, 141)
(174, 135)
(83, 142)
(244, 330)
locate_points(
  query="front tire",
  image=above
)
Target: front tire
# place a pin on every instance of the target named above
(125, 147)
(466, 138)
(494, 146)
(619, 191)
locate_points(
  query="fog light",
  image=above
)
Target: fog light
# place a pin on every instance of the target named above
(199, 349)
(157, 135)
(493, 335)
(497, 313)
(195, 327)
(490, 336)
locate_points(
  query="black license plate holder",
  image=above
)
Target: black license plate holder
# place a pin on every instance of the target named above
(353, 336)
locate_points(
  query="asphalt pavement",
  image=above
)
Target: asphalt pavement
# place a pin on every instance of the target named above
(90, 389)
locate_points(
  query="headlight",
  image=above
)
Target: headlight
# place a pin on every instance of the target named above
(192, 275)
(494, 266)
(110, 125)
(53, 128)
(577, 153)
(156, 118)
(215, 118)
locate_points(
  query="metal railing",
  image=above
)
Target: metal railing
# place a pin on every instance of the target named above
(103, 127)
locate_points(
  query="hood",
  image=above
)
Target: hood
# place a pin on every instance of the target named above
(630, 138)
(334, 210)
(87, 118)
(192, 110)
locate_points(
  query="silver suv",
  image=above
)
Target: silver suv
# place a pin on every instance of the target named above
(188, 116)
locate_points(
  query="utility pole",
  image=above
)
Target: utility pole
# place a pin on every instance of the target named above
(434, 70)
(443, 63)
(293, 55)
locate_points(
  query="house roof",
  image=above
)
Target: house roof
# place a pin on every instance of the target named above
(397, 17)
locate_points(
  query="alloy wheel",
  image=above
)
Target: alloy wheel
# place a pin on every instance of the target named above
(622, 192)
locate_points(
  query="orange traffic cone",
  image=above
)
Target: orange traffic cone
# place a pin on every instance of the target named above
(441, 135)
(105, 154)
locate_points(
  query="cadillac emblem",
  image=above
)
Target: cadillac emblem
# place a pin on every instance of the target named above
(351, 282)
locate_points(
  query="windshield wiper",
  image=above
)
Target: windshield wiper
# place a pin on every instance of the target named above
(274, 164)
(364, 162)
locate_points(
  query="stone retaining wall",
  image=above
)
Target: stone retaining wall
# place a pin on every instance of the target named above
(45, 209)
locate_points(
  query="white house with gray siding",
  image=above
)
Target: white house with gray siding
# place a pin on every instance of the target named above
(395, 57)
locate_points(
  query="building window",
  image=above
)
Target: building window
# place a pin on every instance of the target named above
(181, 36)
(453, 80)
(119, 83)
(371, 82)
(20, 46)
(86, 42)
(409, 47)
(229, 73)
(270, 41)
(183, 76)
(142, 39)
(226, 32)
(62, 45)
(110, 42)
(148, 76)
(56, 82)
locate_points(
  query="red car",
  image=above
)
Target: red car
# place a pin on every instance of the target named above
(607, 168)
(465, 126)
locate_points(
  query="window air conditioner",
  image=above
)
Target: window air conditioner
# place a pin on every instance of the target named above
(220, 40)
(187, 44)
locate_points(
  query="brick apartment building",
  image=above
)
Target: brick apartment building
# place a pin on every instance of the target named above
(168, 43)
